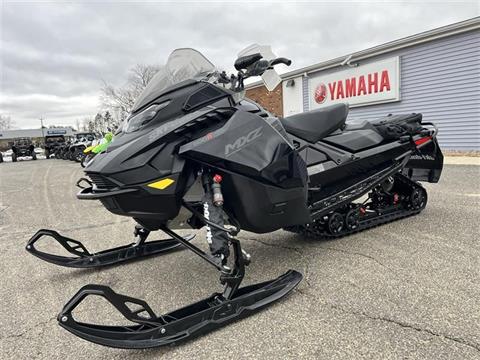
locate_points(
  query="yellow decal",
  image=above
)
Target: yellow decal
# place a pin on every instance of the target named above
(161, 184)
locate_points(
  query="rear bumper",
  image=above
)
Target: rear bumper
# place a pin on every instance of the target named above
(426, 164)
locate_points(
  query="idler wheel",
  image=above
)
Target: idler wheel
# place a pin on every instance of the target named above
(335, 223)
(352, 219)
(418, 198)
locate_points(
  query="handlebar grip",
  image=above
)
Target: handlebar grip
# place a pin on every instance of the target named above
(281, 60)
(246, 61)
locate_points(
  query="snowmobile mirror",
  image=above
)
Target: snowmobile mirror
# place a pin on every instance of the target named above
(271, 79)
(244, 62)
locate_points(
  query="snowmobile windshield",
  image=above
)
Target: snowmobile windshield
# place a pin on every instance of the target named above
(182, 65)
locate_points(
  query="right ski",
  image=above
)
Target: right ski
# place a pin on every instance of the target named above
(192, 320)
(84, 259)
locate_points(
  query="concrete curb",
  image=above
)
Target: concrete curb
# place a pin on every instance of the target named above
(461, 160)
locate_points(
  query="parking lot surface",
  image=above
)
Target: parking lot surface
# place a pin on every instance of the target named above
(406, 290)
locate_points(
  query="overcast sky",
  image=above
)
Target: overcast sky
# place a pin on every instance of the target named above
(54, 55)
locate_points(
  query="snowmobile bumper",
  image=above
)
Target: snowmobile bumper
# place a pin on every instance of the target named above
(84, 259)
(187, 322)
(427, 163)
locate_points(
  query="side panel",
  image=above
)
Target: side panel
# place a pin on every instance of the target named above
(251, 146)
(264, 178)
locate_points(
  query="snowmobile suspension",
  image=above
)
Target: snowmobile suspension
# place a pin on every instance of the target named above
(393, 199)
(200, 317)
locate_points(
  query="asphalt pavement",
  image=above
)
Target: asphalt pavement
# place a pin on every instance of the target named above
(406, 290)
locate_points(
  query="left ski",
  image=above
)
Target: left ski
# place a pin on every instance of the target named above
(84, 259)
(192, 320)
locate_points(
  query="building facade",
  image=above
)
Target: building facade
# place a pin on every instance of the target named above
(436, 73)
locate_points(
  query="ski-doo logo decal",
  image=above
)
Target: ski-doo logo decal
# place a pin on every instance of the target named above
(242, 141)
(320, 93)
(422, 157)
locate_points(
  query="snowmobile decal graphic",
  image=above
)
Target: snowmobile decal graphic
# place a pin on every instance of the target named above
(161, 184)
(242, 141)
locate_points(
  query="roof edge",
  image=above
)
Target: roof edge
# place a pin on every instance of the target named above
(420, 38)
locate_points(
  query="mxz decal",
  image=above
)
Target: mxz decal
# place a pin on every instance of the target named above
(242, 141)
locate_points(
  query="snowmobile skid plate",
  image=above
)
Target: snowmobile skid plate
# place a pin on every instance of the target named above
(84, 259)
(187, 322)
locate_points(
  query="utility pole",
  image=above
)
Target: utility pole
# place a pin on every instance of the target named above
(41, 125)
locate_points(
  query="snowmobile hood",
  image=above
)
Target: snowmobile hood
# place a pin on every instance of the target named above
(129, 151)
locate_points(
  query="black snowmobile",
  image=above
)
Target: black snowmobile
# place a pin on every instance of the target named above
(195, 154)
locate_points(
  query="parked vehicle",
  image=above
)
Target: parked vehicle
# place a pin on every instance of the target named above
(97, 147)
(23, 147)
(80, 142)
(53, 143)
(195, 154)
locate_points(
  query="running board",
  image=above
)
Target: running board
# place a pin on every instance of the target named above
(321, 207)
(84, 259)
(192, 320)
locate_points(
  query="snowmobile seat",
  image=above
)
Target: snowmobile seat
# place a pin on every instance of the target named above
(314, 125)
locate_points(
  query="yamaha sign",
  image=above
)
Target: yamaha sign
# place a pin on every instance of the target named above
(368, 84)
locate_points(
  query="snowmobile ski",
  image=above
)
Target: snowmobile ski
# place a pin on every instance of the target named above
(195, 319)
(84, 259)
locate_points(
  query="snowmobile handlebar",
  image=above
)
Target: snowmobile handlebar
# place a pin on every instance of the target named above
(248, 66)
(281, 60)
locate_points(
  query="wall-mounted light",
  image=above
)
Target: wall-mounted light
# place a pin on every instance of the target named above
(290, 83)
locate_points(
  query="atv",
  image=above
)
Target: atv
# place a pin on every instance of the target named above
(195, 153)
(80, 143)
(53, 144)
(23, 147)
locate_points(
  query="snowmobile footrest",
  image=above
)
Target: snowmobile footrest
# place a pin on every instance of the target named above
(84, 259)
(195, 319)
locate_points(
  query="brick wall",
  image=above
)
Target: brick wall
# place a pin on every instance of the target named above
(270, 100)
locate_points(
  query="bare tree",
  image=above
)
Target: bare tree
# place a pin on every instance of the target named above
(120, 100)
(87, 124)
(6, 122)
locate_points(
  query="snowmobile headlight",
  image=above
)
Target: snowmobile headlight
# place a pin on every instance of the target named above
(139, 120)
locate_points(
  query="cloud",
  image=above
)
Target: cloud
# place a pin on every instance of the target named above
(55, 55)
